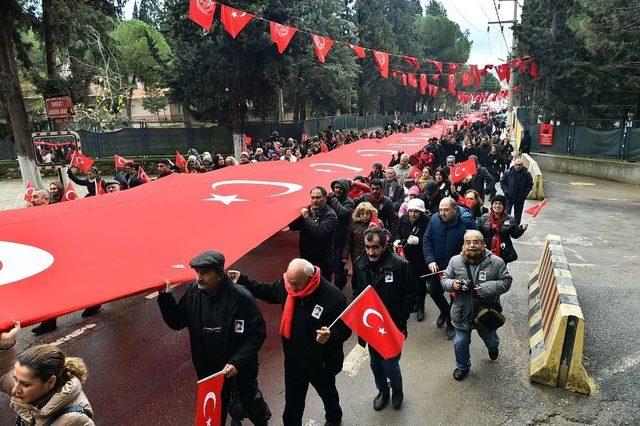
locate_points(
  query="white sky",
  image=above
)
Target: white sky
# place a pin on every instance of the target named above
(473, 15)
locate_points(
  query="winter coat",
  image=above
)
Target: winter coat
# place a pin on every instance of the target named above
(467, 152)
(483, 154)
(226, 328)
(413, 253)
(302, 351)
(317, 233)
(431, 205)
(516, 186)
(443, 240)
(91, 185)
(495, 166)
(394, 191)
(402, 173)
(508, 229)
(491, 273)
(394, 281)
(344, 209)
(386, 213)
(70, 394)
(451, 149)
(354, 246)
(483, 182)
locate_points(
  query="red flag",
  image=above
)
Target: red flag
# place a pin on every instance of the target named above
(412, 61)
(453, 67)
(99, 187)
(180, 162)
(533, 71)
(461, 170)
(504, 72)
(535, 210)
(120, 161)
(359, 51)
(476, 75)
(321, 45)
(415, 172)
(209, 406)
(451, 81)
(28, 192)
(413, 82)
(368, 318)
(142, 175)
(248, 140)
(281, 35)
(382, 62)
(465, 76)
(234, 20)
(69, 193)
(464, 201)
(323, 147)
(201, 12)
(436, 64)
(81, 161)
(404, 79)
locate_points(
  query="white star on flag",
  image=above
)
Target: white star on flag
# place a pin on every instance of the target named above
(209, 421)
(382, 331)
(225, 199)
(234, 15)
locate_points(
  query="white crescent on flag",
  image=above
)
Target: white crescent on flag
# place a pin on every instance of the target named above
(20, 261)
(365, 152)
(370, 311)
(228, 199)
(211, 396)
(344, 166)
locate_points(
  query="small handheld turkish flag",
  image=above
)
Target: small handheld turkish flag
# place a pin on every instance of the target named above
(142, 175)
(321, 45)
(100, 187)
(201, 12)
(368, 318)
(69, 193)
(281, 35)
(234, 20)
(415, 172)
(209, 408)
(120, 161)
(28, 192)
(460, 171)
(535, 209)
(81, 161)
(180, 162)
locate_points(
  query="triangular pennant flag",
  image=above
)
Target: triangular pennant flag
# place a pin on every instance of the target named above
(436, 64)
(412, 61)
(358, 50)
(453, 67)
(69, 193)
(281, 35)
(382, 62)
(321, 45)
(201, 12)
(234, 20)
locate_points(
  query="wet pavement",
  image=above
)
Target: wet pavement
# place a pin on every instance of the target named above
(141, 372)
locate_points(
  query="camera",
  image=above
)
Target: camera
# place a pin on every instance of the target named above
(466, 284)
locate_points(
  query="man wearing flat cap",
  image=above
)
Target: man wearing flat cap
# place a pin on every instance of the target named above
(165, 168)
(226, 331)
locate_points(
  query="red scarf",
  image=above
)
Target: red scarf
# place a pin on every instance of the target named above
(292, 295)
(496, 241)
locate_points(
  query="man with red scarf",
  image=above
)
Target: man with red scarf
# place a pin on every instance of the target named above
(313, 353)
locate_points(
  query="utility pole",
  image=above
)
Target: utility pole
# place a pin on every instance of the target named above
(512, 78)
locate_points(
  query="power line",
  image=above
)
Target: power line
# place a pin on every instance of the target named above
(506, 45)
(463, 17)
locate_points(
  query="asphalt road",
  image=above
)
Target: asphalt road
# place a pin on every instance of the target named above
(141, 372)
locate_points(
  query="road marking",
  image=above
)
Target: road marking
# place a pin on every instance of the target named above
(354, 360)
(151, 295)
(622, 366)
(582, 184)
(584, 265)
(70, 336)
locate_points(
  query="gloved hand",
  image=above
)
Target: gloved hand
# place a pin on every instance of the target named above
(413, 240)
(396, 243)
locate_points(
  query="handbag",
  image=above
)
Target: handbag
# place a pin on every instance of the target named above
(487, 318)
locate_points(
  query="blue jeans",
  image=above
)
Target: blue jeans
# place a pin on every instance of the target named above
(461, 343)
(339, 270)
(385, 371)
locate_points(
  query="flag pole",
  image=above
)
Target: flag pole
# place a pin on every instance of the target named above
(433, 273)
(211, 376)
(350, 304)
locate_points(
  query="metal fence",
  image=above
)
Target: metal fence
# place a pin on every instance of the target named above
(136, 139)
(609, 139)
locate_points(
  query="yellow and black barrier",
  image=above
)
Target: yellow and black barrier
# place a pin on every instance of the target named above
(537, 192)
(556, 323)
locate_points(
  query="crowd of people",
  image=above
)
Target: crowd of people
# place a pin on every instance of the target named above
(406, 236)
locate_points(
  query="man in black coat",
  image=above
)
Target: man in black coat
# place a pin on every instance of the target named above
(383, 204)
(317, 226)
(226, 331)
(516, 184)
(482, 181)
(393, 279)
(313, 353)
(340, 202)
(431, 197)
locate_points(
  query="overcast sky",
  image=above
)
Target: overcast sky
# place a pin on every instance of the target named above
(473, 15)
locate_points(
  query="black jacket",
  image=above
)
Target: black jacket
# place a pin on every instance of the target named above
(483, 182)
(495, 165)
(414, 253)
(516, 186)
(399, 295)
(91, 185)
(386, 213)
(226, 328)
(344, 209)
(508, 229)
(397, 198)
(302, 351)
(483, 153)
(317, 233)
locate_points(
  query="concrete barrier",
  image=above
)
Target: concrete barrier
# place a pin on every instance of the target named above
(619, 171)
(556, 323)
(537, 192)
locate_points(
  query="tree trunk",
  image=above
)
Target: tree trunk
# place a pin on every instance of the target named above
(14, 101)
(236, 126)
(48, 24)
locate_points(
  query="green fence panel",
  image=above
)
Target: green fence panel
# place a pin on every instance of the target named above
(560, 138)
(7, 150)
(633, 153)
(589, 142)
(165, 141)
(122, 142)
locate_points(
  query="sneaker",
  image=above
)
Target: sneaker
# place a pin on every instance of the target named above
(396, 399)
(381, 401)
(460, 374)
(493, 354)
(91, 311)
(45, 327)
(420, 314)
(450, 332)
(441, 320)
